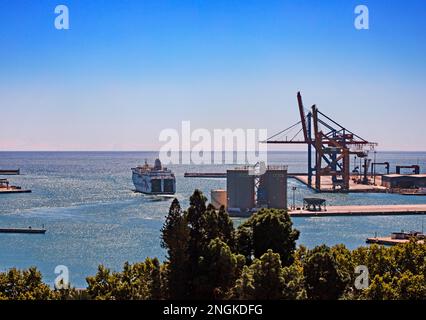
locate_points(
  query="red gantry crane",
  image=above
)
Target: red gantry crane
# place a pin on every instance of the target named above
(333, 145)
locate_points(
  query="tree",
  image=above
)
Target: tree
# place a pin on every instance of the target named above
(205, 224)
(141, 281)
(175, 236)
(217, 224)
(323, 278)
(263, 280)
(378, 259)
(380, 288)
(218, 270)
(196, 240)
(270, 229)
(244, 241)
(410, 257)
(410, 287)
(23, 285)
(100, 286)
(294, 282)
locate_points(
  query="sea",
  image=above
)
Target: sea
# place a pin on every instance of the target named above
(86, 202)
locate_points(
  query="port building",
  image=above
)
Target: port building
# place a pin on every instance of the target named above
(247, 191)
(272, 189)
(391, 181)
(240, 187)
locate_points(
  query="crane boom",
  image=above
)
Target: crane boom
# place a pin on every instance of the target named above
(302, 117)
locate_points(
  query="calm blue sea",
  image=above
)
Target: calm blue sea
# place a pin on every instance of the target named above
(85, 201)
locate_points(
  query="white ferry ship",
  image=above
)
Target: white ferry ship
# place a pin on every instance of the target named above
(156, 180)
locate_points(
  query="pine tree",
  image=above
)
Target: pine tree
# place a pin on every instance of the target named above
(175, 238)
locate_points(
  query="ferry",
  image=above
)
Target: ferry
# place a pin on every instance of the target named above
(154, 180)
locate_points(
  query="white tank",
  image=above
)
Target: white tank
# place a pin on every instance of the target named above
(218, 198)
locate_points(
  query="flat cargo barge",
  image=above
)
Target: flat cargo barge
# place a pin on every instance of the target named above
(22, 230)
(14, 190)
(10, 172)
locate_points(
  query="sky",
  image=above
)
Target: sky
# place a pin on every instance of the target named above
(128, 69)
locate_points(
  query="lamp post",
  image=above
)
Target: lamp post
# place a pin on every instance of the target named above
(294, 197)
(374, 168)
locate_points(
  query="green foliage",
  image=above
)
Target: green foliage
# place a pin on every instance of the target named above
(410, 286)
(262, 280)
(294, 282)
(208, 250)
(140, 281)
(380, 288)
(244, 241)
(23, 285)
(70, 294)
(217, 224)
(397, 272)
(324, 280)
(219, 268)
(175, 238)
(268, 229)
(266, 279)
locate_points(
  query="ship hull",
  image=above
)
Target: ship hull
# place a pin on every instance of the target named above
(147, 185)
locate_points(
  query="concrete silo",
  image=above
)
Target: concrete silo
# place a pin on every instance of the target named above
(272, 190)
(218, 198)
(240, 186)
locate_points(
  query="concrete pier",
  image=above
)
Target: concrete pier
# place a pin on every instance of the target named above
(388, 241)
(371, 210)
(10, 172)
(327, 185)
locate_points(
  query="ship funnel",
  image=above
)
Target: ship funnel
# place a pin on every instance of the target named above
(157, 164)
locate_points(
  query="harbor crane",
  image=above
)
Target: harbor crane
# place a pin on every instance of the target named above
(333, 145)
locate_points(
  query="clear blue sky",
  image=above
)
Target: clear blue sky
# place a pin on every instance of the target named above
(128, 69)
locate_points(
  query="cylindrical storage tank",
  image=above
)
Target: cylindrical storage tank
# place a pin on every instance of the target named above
(240, 189)
(273, 184)
(218, 198)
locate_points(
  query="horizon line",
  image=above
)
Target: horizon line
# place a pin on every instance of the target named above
(377, 151)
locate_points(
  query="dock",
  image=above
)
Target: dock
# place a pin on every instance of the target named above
(223, 175)
(370, 210)
(327, 185)
(348, 211)
(388, 241)
(205, 175)
(22, 230)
